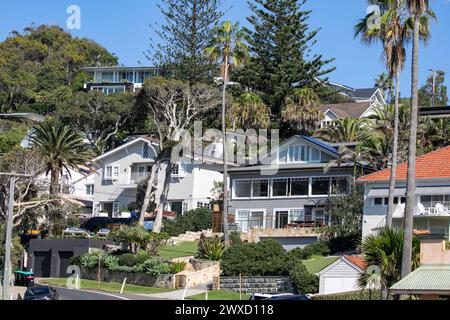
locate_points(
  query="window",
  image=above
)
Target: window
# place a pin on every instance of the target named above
(378, 201)
(115, 208)
(111, 173)
(339, 185)
(299, 187)
(315, 155)
(145, 151)
(320, 186)
(107, 77)
(90, 189)
(179, 169)
(185, 207)
(203, 205)
(242, 219)
(126, 76)
(280, 187)
(260, 188)
(294, 154)
(176, 169)
(243, 188)
(142, 170)
(283, 156)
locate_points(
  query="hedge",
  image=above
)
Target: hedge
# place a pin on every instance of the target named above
(195, 220)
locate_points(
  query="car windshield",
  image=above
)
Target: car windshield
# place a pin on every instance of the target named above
(37, 291)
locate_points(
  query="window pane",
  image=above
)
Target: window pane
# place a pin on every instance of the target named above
(283, 156)
(294, 155)
(320, 186)
(378, 201)
(260, 188)
(299, 187)
(242, 219)
(257, 219)
(315, 155)
(242, 188)
(339, 185)
(279, 187)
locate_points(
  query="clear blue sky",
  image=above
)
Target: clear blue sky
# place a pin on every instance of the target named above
(123, 28)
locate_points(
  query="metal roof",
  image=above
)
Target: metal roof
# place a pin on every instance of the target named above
(321, 144)
(428, 278)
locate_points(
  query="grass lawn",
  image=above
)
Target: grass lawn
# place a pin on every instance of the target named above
(317, 263)
(220, 295)
(184, 249)
(107, 287)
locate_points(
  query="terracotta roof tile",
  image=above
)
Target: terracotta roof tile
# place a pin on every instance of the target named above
(434, 165)
(357, 261)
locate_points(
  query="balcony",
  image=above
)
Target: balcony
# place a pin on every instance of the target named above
(426, 209)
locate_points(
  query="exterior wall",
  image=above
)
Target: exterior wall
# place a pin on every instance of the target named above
(254, 284)
(341, 273)
(433, 251)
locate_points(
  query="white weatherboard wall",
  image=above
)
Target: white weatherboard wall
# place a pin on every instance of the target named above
(340, 276)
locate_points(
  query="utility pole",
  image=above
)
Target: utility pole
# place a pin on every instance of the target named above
(433, 96)
(9, 225)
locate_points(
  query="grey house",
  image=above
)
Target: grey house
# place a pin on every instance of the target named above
(296, 193)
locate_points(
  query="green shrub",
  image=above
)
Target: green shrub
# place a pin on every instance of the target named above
(177, 267)
(137, 236)
(235, 238)
(265, 258)
(211, 248)
(303, 281)
(341, 244)
(355, 295)
(195, 220)
(153, 267)
(318, 248)
(110, 261)
(131, 260)
(75, 260)
(89, 261)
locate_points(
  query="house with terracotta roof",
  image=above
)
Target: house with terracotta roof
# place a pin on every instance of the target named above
(342, 275)
(432, 196)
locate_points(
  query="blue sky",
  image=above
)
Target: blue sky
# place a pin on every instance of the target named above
(123, 28)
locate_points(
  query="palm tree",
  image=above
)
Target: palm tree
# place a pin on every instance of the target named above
(249, 111)
(227, 47)
(345, 130)
(391, 32)
(384, 250)
(419, 11)
(301, 111)
(384, 82)
(60, 148)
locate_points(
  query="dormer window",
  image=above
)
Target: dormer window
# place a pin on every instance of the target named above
(145, 151)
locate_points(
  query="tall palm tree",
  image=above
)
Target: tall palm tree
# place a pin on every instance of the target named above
(229, 48)
(391, 32)
(384, 250)
(345, 130)
(301, 111)
(61, 149)
(384, 82)
(419, 11)
(249, 111)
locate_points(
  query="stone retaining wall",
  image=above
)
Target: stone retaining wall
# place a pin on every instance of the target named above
(254, 284)
(137, 278)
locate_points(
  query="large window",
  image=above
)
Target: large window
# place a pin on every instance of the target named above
(111, 173)
(107, 77)
(250, 219)
(299, 153)
(243, 188)
(339, 185)
(280, 187)
(320, 186)
(299, 186)
(260, 188)
(90, 189)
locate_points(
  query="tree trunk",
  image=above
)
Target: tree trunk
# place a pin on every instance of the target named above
(163, 198)
(411, 181)
(148, 193)
(392, 179)
(225, 156)
(54, 182)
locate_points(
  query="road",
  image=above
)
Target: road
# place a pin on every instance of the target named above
(69, 294)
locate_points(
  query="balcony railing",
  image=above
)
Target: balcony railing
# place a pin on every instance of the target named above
(137, 178)
(429, 209)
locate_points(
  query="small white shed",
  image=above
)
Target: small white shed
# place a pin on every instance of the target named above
(342, 275)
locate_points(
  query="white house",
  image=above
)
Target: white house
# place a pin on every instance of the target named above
(120, 171)
(432, 196)
(341, 276)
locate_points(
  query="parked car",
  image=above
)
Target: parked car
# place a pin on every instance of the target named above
(266, 296)
(103, 232)
(41, 292)
(72, 231)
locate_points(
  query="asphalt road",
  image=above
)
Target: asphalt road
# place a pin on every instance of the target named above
(69, 294)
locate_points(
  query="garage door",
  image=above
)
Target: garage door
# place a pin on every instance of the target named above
(337, 285)
(64, 262)
(42, 262)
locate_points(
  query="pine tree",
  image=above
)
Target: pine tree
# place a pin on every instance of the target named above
(185, 33)
(280, 41)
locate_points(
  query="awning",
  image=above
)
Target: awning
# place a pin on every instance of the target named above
(380, 193)
(421, 191)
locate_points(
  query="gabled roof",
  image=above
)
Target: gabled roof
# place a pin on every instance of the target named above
(354, 110)
(433, 165)
(425, 279)
(126, 145)
(356, 262)
(364, 93)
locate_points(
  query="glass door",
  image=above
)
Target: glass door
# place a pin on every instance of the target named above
(281, 219)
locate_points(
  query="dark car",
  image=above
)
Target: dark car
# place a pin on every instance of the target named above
(290, 297)
(43, 292)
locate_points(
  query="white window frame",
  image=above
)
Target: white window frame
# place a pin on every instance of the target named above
(181, 170)
(301, 196)
(115, 208)
(234, 189)
(268, 188)
(271, 188)
(289, 211)
(113, 176)
(320, 195)
(139, 173)
(251, 211)
(91, 188)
